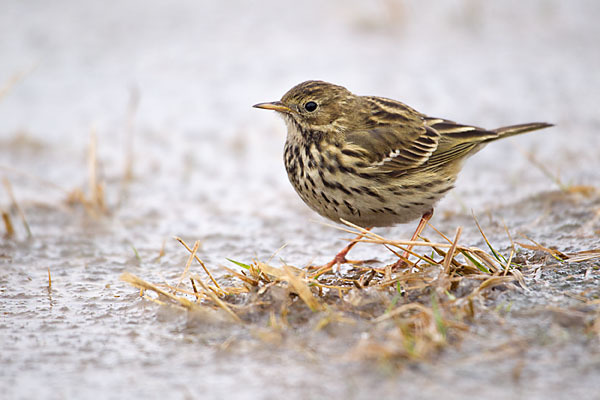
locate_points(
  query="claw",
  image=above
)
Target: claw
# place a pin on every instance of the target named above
(340, 257)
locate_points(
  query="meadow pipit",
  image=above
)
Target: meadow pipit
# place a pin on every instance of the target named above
(371, 160)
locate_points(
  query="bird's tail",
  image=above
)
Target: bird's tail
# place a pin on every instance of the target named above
(506, 131)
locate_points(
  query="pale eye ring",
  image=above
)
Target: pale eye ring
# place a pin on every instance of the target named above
(310, 106)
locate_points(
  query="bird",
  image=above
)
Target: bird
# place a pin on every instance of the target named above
(370, 160)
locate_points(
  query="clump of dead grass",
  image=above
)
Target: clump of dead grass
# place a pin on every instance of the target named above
(414, 311)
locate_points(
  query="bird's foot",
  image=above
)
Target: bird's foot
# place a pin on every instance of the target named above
(339, 259)
(401, 263)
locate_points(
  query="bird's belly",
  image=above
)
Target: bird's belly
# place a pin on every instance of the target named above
(362, 201)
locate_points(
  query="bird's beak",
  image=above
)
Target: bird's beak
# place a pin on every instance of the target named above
(275, 106)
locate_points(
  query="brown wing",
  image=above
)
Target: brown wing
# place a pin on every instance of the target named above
(390, 149)
(456, 141)
(392, 137)
(397, 138)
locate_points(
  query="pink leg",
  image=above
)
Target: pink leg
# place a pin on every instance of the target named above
(340, 258)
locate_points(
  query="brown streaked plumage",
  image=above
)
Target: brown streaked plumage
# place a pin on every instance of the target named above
(370, 160)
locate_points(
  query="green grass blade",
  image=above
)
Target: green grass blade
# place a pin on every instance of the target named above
(239, 264)
(479, 266)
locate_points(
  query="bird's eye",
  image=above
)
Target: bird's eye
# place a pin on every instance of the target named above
(310, 106)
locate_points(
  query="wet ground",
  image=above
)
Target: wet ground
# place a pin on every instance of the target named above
(206, 166)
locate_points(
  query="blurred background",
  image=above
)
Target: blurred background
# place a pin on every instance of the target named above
(199, 65)
(167, 87)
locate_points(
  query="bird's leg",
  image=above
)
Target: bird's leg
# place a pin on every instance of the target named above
(422, 223)
(340, 258)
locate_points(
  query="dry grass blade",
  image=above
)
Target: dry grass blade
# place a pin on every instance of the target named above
(359, 229)
(216, 299)
(538, 247)
(355, 232)
(297, 280)
(450, 254)
(414, 243)
(95, 204)
(10, 83)
(510, 257)
(276, 252)
(586, 255)
(277, 273)
(443, 280)
(453, 261)
(242, 277)
(8, 226)
(196, 293)
(497, 255)
(488, 260)
(199, 261)
(15, 204)
(142, 284)
(302, 289)
(161, 253)
(446, 238)
(368, 236)
(188, 263)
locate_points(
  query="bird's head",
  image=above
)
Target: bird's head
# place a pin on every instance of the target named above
(315, 106)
